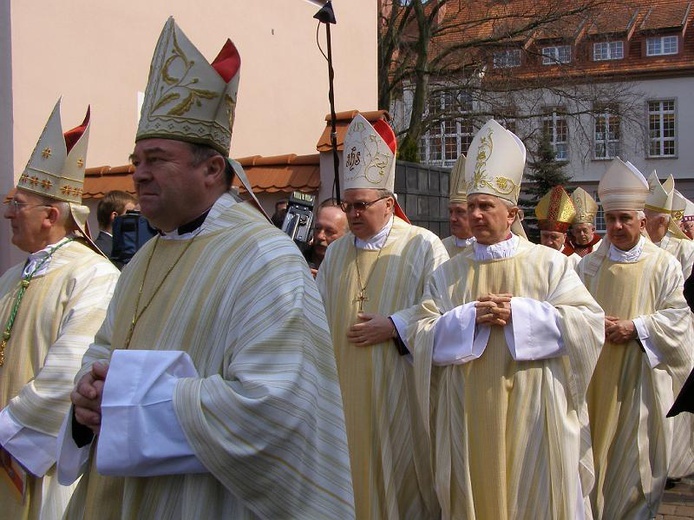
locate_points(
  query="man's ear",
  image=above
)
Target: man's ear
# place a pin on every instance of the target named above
(53, 214)
(214, 168)
(512, 212)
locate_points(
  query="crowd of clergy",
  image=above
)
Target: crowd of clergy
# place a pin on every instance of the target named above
(477, 377)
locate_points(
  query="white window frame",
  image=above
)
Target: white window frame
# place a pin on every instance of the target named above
(560, 143)
(556, 54)
(662, 128)
(507, 58)
(450, 137)
(604, 51)
(662, 45)
(606, 133)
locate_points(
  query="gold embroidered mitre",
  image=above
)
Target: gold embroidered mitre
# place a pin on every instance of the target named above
(659, 197)
(679, 205)
(555, 211)
(585, 206)
(456, 189)
(369, 155)
(623, 187)
(495, 163)
(188, 99)
(56, 166)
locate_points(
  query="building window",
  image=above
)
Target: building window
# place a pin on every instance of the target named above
(608, 51)
(661, 128)
(451, 131)
(507, 58)
(607, 132)
(555, 126)
(661, 46)
(556, 54)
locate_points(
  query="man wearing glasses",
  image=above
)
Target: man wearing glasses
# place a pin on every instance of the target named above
(370, 280)
(50, 309)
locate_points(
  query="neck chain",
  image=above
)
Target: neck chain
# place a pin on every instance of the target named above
(362, 287)
(23, 286)
(136, 315)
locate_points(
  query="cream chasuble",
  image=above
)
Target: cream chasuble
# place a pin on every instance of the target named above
(265, 416)
(627, 398)
(388, 447)
(59, 314)
(510, 437)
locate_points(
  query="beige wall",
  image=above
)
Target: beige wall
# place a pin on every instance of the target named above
(98, 53)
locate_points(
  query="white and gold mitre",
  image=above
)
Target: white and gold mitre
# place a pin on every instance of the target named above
(495, 163)
(688, 213)
(456, 188)
(585, 206)
(187, 98)
(659, 197)
(623, 187)
(369, 155)
(56, 166)
(555, 210)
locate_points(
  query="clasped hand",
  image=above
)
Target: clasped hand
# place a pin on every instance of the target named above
(619, 331)
(86, 397)
(493, 309)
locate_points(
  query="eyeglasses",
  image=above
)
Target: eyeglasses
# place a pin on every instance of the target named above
(359, 206)
(15, 205)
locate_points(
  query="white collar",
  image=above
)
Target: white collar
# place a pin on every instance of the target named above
(378, 240)
(464, 242)
(633, 255)
(504, 249)
(45, 256)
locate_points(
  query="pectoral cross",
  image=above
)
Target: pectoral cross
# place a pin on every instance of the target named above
(361, 299)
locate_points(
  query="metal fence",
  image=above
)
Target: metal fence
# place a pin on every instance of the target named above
(422, 192)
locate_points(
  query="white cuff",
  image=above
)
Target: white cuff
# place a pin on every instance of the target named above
(455, 341)
(72, 461)
(646, 343)
(140, 434)
(33, 449)
(534, 330)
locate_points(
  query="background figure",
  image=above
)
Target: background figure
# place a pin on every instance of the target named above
(582, 238)
(280, 212)
(50, 308)
(113, 204)
(505, 343)
(555, 212)
(645, 359)
(330, 224)
(371, 280)
(218, 350)
(461, 234)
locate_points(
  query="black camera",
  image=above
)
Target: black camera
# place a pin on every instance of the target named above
(298, 222)
(130, 232)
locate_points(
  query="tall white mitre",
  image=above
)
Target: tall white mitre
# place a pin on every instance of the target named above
(659, 197)
(623, 187)
(495, 163)
(679, 205)
(369, 155)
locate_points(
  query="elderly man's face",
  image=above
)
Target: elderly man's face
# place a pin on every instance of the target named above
(624, 228)
(583, 233)
(457, 216)
(366, 222)
(490, 218)
(28, 215)
(688, 228)
(331, 224)
(553, 239)
(169, 188)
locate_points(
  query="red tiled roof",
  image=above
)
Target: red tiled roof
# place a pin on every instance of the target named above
(281, 173)
(341, 123)
(99, 181)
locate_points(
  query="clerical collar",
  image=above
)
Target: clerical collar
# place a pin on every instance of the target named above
(464, 242)
(188, 230)
(377, 241)
(504, 249)
(41, 259)
(631, 256)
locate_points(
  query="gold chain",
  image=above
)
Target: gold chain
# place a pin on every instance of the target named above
(136, 316)
(362, 288)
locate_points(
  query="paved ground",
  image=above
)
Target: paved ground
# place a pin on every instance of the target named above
(678, 502)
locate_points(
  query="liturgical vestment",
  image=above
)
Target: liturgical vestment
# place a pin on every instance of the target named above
(264, 418)
(59, 314)
(509, 431)
(633, 384)
(388, 447)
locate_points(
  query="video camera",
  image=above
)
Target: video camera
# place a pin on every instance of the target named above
(130, 232)
(298, 222)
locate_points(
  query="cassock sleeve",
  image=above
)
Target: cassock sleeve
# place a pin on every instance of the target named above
(534, 331)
